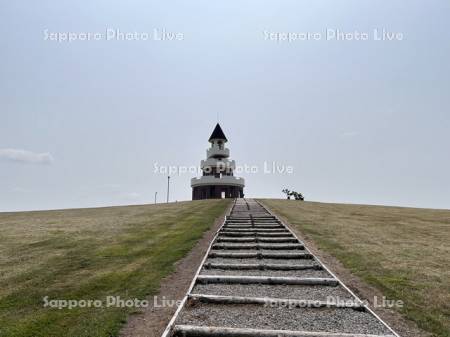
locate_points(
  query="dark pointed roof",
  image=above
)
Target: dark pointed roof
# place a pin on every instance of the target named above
(218, 133)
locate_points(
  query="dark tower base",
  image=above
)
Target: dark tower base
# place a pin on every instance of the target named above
(217, 192)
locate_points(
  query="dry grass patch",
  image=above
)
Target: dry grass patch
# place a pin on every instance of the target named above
(404, 252)
(90, 254)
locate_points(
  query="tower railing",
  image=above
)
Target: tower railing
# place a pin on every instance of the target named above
(212, 180)
(216, 151)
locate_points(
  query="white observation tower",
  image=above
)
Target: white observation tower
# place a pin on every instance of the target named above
(217, 180)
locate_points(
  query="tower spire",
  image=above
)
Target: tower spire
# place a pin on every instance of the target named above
(218, 134)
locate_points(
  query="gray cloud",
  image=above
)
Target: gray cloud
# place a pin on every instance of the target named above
(24, 156)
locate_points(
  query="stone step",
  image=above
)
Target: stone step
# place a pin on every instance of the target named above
(261, 266)
(260, 255)
(215, 299)
(255, 239)
(253, 226)
(253, 219)
(258, 230)
(209, 331)
(260, 234)
(252, 260)
(208, 279)
(226, 246)
(258, 251)
(268, 273)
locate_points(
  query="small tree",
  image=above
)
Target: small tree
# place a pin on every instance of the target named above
(296, 195)
(288, 193)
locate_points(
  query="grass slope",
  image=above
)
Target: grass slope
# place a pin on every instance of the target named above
(404, 252)
(90, 254)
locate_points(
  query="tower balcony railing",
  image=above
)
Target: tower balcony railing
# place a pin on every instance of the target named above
(221, 164)
(216, 151)
(212, 180)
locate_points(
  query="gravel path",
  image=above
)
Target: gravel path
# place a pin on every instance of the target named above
(274, 317)
(309, 319)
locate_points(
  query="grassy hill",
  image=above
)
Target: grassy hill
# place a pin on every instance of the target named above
(126, 251)
(90, 254)
(404, 252)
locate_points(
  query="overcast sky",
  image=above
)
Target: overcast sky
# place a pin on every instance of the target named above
(84, 123)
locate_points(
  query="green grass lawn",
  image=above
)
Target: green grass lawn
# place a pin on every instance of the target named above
(404, 252)
(90, 254)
